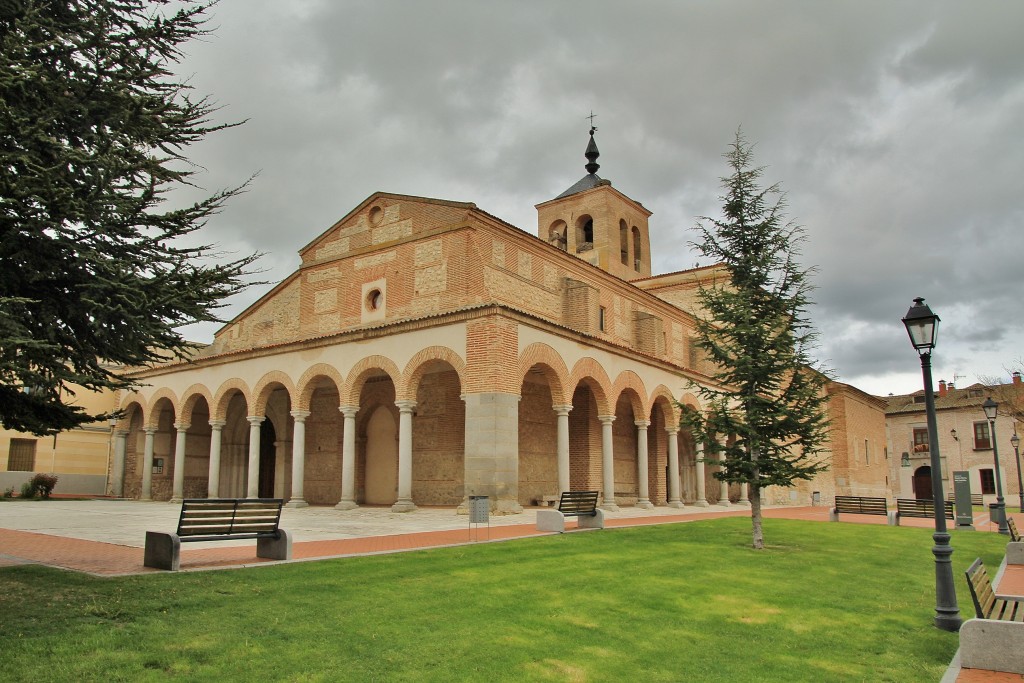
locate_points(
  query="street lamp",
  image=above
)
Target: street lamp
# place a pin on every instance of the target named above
(922, 326)
(991, 408)
(1015, 442)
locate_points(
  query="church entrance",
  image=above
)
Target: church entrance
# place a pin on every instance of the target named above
(923, 483)
(381, 458)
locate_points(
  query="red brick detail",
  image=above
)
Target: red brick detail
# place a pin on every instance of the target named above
(363, 370)
(311, 380)
(629, 383)
(492, 346)
(265, 386)
(589, 371)
(664, 405)
(191, 396)
(223, 397)
(551, 364)
(162, 396)
(422, 361)
(128, 400)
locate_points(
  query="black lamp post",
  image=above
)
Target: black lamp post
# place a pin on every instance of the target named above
(1015, 442)
(991, 408)
(922, 326)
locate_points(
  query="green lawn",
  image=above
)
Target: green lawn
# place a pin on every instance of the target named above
(825, 602)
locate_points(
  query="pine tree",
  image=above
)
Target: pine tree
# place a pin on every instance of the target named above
(94, 274)
(766, 410)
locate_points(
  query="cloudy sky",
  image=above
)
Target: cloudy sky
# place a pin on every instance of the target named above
(894, 127)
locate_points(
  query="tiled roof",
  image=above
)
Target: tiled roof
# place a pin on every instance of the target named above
(587, 182)
(968, 397)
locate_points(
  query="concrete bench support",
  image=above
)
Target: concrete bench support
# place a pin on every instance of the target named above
(163, 551)
(1015, 552)
(279, 548)
(991, 644)
(553, 520)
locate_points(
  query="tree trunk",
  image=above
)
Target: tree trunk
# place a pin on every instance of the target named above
(755, 516)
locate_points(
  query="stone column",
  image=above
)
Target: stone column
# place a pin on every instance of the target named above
(563, 447)
(252, 489)
(744, 500)
(298, 459)
(674, 499)
(147, 465)
(179, 463)
(492, 450)
(117, 469)
(404, 502)
(698, 473)
(607, 463)
(348, 460)
(213, 478)
(644, 497)
(723, 487)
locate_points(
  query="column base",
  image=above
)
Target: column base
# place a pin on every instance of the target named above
(677, 504)
(346, 505)
(610, 507)
(403, 506)
(175, 500)
(723, 504)
(296, 503)
(644, 504)
(702, 503)
(743, 503)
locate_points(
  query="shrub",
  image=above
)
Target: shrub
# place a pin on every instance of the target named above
(43, 484)
(28, 490)
(9, 493)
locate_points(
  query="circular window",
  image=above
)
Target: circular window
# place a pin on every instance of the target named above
(376, 215)
(375, 299)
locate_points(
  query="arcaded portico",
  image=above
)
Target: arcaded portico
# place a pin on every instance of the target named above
(425, 351)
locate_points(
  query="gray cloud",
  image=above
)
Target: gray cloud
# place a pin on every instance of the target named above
(892, 126)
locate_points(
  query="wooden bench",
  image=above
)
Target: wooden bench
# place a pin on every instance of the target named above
(1012, 526)
(579, 504)
(977, 499)
(995, 639)
(920, 508)
(221, 519)
(860, 505)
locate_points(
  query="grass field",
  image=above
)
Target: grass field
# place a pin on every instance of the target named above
(680, 602)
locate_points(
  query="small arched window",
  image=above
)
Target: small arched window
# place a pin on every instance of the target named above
(557, 235)
(623, 243)
(584, 233)
(637, 249)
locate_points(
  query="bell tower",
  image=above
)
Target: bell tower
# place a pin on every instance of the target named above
(597, 223)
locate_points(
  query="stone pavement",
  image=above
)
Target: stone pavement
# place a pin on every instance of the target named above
(106, 537)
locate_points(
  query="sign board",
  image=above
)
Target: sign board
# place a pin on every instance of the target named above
(962, 493)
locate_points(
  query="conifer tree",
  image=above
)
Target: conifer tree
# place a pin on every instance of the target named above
(766, 409)
(94, 273)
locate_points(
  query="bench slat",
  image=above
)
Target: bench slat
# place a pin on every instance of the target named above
(578, 503)
(225, 518)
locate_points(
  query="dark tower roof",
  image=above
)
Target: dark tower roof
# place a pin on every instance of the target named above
(591, 179)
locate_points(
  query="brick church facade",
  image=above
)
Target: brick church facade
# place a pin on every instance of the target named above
(425, 351)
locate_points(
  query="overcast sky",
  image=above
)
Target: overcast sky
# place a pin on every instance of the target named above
(895, 129)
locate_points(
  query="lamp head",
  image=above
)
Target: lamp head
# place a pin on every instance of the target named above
(1014, 441)
(922, 326)
(991, 408)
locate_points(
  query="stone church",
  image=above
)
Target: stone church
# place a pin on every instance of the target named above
(425, 351)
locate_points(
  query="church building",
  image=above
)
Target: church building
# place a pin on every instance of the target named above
(426, 351)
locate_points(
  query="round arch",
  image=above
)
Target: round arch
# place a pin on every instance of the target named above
(551, 365)
(421, 362)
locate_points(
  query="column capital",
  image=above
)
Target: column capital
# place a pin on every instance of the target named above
(256, 420)
(606, 419)
(672, 430)
(642, 424)
(121, 433)
(182, 426)
(348, 411)
(562, 410)
(150, 430)
(299, 415)
(406, 406)
(218, 424)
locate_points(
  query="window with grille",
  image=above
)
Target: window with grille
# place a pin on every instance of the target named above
(22, 455)
(920, 440)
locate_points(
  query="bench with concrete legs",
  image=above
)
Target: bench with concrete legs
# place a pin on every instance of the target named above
(221, 519)
(579, 504)
(995, 639)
